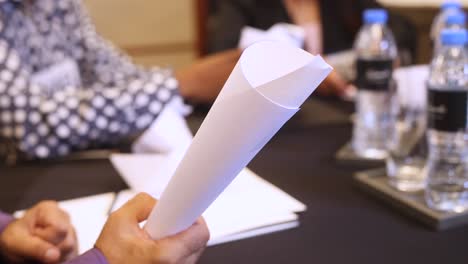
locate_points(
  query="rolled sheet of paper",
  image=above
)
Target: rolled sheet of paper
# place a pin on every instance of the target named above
(266, 88)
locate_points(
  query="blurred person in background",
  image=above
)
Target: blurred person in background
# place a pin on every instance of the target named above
(63, 88)
(330, 26)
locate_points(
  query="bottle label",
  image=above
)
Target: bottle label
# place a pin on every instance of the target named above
(375, 74)
(447, 110)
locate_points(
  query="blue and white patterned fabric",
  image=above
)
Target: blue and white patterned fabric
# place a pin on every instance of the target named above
(115, 99)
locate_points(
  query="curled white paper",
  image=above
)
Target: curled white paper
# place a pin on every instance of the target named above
(265, 89)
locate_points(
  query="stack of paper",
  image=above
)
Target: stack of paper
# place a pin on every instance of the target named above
(249, 206)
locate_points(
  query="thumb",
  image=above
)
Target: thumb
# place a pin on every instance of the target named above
(40, 250)
(138, 208)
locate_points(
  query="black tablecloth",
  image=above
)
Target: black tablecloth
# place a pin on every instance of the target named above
(341, 224)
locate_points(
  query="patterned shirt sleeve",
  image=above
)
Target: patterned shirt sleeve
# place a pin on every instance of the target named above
(117, 99)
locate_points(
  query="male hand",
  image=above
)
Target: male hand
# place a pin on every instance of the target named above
(122, 240)
(44, 234)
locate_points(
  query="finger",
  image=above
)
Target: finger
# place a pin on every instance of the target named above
(186, 246)
(194, 238)
(336, 83)
(194, 257)
(37, 249)
(69, 246)
(350, 93)
(138, 208)
(50, 214)
(50, 234)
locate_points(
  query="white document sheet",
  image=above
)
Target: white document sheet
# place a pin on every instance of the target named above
(248, 203)
(255, 232)
(265, 89)
(249, 207)
(167, 134)
(148, 173)
(88, 215)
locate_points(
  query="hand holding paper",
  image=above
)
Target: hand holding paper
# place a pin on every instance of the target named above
(265, 89)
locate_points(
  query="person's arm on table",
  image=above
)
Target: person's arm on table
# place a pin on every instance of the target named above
(203, 80)
(122, 100)
(44, 233)
(43, 125)
(306, 13)
(122, 240)
(199, 82)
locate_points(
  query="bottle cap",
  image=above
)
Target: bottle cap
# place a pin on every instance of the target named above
(451, 4)
(457, 18)
(379, 16)
(454, 37)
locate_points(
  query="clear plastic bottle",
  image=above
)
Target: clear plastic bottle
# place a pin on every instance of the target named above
(446, 167)
(448, 7)
(376, 52)
(454, 20)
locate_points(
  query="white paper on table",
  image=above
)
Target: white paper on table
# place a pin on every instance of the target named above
(248, 204)
(265, 89)
(148, 173)
(259, 224)
(281, 32)
(168, 133)
(287, 224)
(411, 85)
(88, 215)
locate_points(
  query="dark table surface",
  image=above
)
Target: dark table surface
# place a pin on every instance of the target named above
(341, 224)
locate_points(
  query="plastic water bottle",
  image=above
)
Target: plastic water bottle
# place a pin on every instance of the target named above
(446, 168)
(376, 52)
(439, 23)
(454, 20)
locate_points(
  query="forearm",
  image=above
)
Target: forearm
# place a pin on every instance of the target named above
(306, 13)
(303, 11)
(202, 81)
